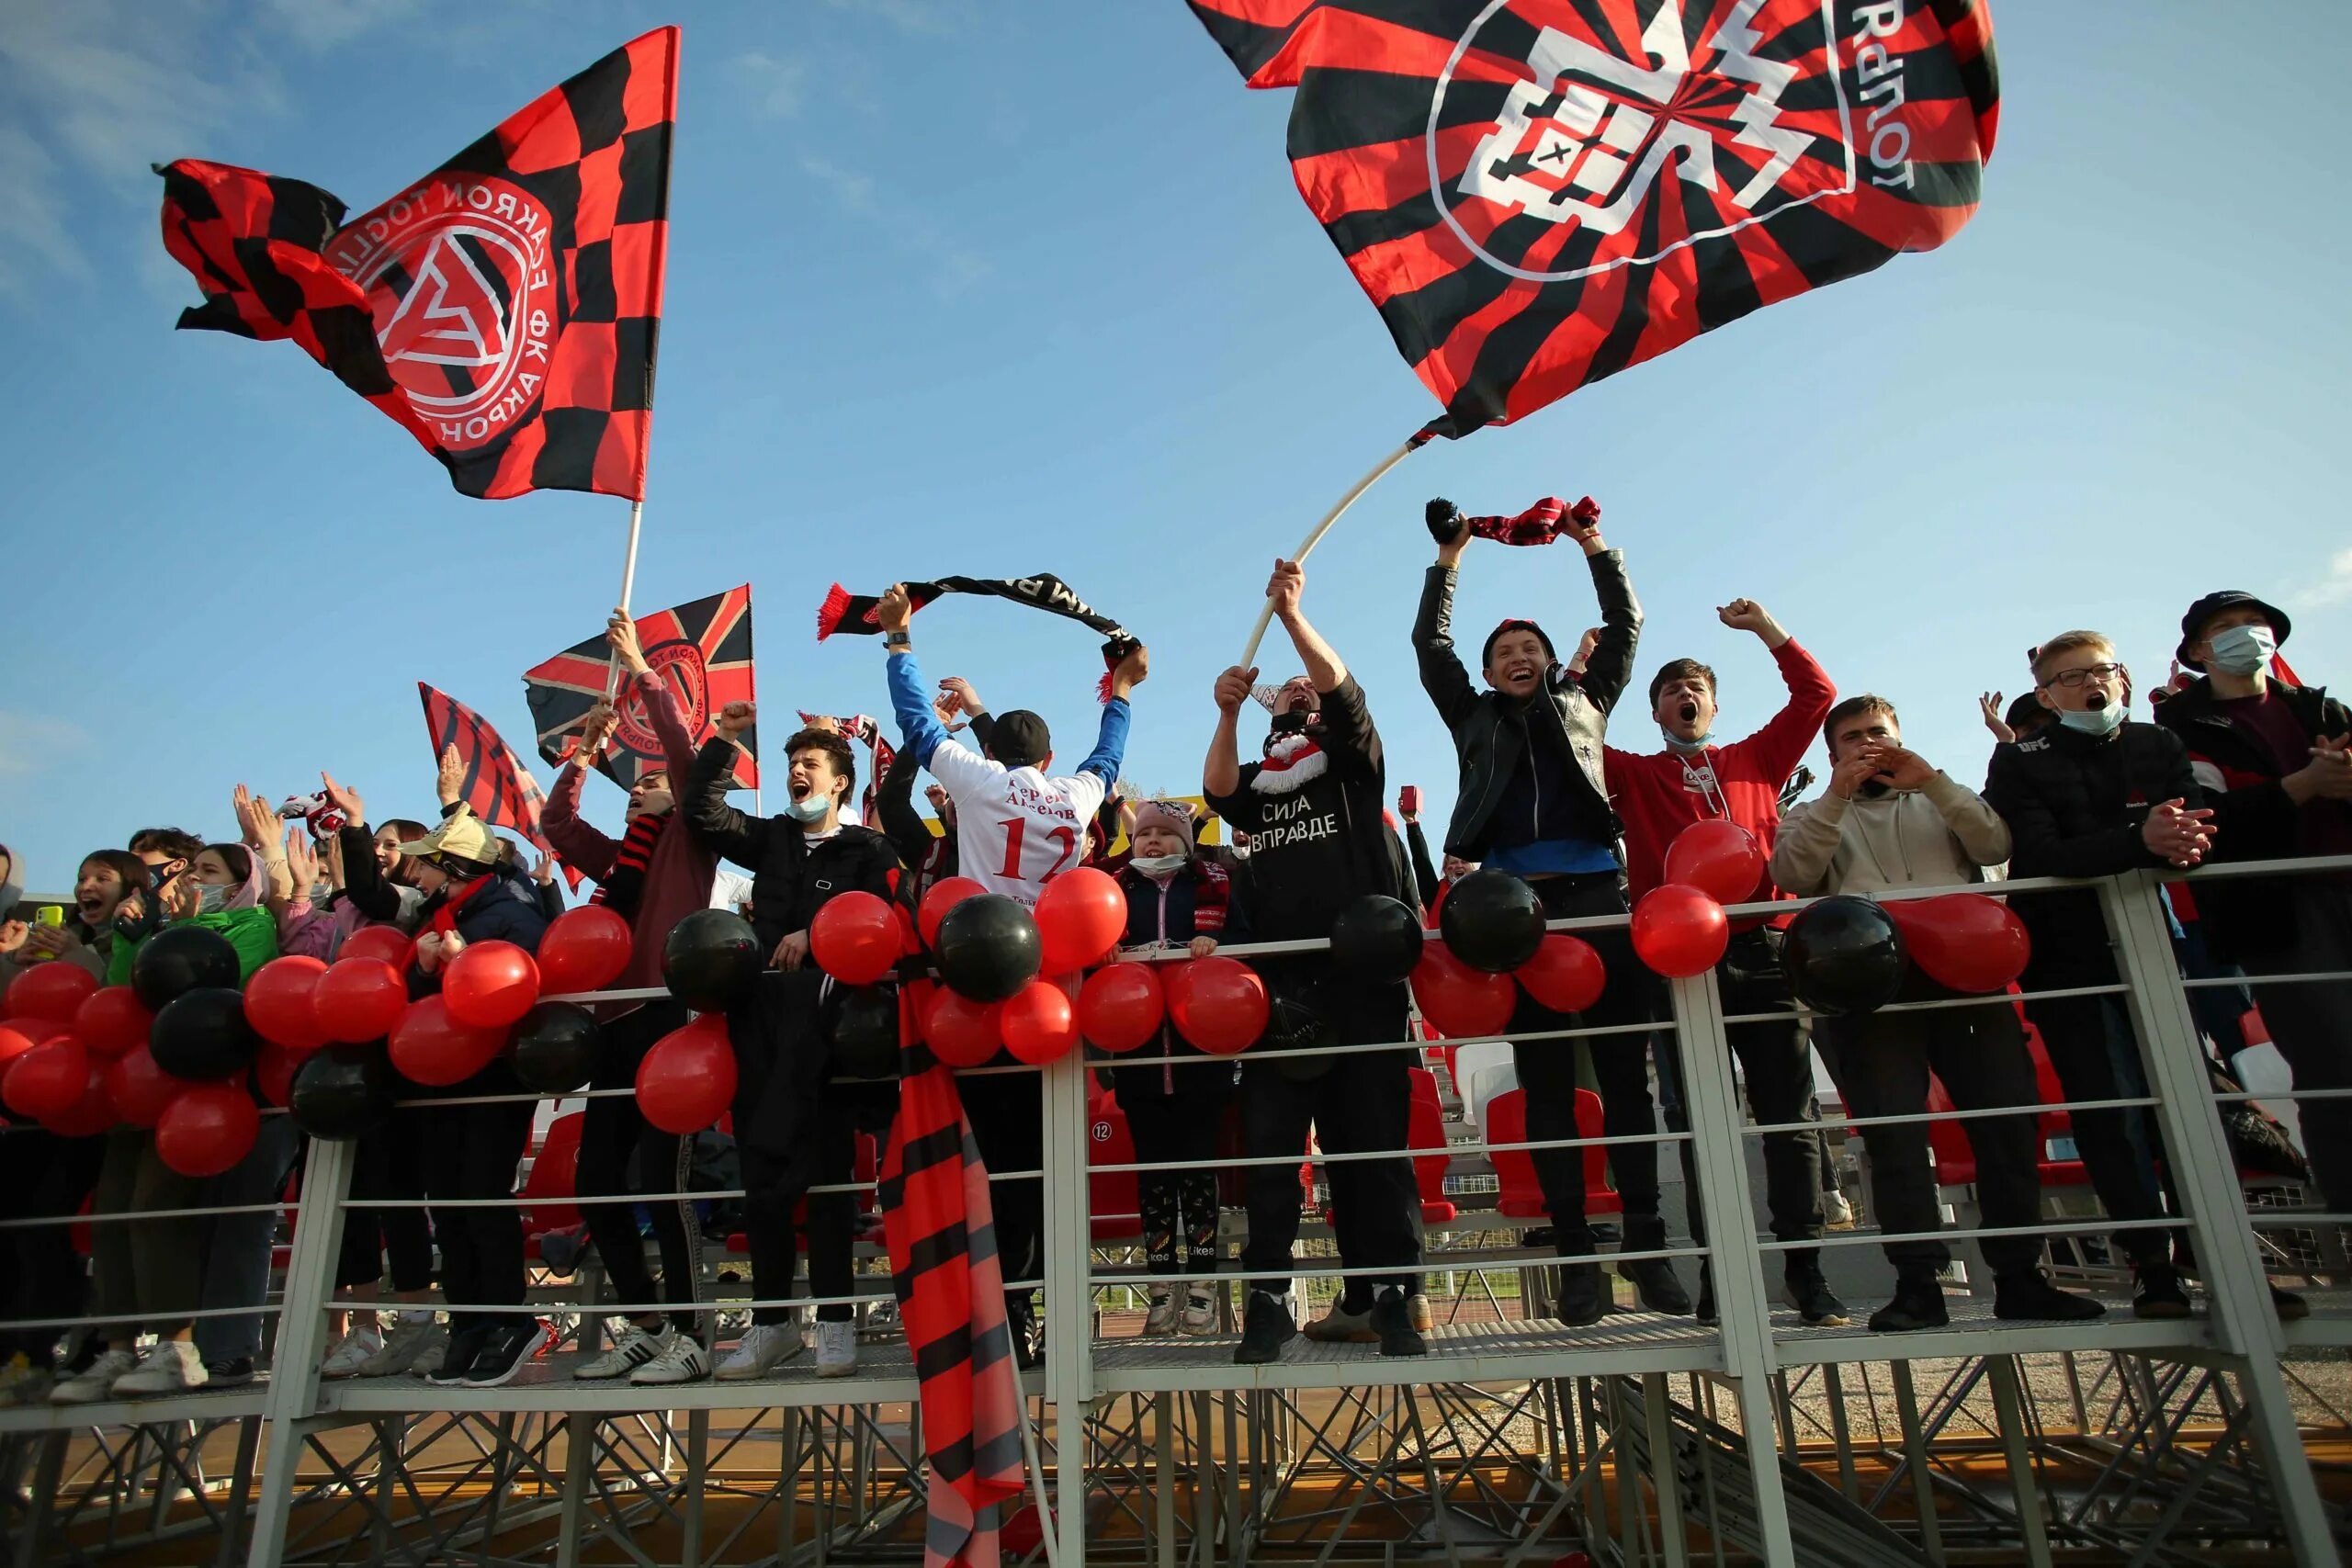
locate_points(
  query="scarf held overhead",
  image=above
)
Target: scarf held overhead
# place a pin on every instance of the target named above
(845, 612)
(1538, 525)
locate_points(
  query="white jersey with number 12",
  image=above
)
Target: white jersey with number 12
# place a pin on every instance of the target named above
(1015, 829)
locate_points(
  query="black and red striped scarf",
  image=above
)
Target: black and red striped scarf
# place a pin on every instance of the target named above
(942, 1239)
(1538, 525)
(624, 885)
(845, 612)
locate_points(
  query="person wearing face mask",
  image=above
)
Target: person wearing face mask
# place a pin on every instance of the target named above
(2092, 794)
(795, 1127)
(1889, 820)
(2274, 760)
(167, 853)
(1533, 801)
(1311, 815)
(1175, 897)
(656, 874)
(1695, 779)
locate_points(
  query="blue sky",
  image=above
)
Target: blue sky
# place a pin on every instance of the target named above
(998, 287)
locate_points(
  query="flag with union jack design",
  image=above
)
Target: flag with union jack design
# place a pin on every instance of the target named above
(503, 309)
(495, 783)
(1539, 192)
(702, 649)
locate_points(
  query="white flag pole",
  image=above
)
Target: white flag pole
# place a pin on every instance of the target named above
(1266, 616)
(628, 586)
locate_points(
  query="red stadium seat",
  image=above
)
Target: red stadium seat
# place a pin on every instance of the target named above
(554, 1175)
(1521, 1197)
(1115, 1209)
(1427, 1131)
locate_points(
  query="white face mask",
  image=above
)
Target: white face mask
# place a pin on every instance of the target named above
(807, 812)
(213, 898)
(2094, 721)
(1157, 865)
(2242, 650)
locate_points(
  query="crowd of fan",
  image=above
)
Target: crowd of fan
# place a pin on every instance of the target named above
(2238, 765)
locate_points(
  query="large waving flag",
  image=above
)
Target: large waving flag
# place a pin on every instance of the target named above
(1539, 192)
(702, 649)
(498, 787)
(503, 309)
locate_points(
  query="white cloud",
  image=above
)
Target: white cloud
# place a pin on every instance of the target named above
(779, 84)
(949, 267)
(33, 220)
(2334, 588)
(920, 17)
(325, 24)
(31, 743)
(855, 190)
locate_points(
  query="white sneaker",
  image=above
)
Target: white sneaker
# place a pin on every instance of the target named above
(637, 1348)
(1199, 1314)
(681, 1360)
(350, 1353)
(96, 1381)
(1340, 1326)
(1162, 1318)
(413, 1346)
(172, 1366)
(836, 1348)
(1836, 1213)
(763, 1347)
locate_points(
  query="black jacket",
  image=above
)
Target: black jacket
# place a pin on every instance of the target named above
(791, 878)
(1489, 729)
(2075, 805)
(2253, 817)
(506, 909)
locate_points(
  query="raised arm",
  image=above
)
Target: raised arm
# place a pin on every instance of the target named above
(894, 804)
(703, 800)
(584, 848)
(1781, 745)
(1610, 665)
(1324, 669)
(1221, 773)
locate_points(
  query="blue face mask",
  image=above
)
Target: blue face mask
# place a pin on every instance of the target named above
(2242, 650)
(2094, 721)
(808, 812)
(211, 898)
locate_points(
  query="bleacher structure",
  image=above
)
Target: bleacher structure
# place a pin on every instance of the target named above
(1643, 1439)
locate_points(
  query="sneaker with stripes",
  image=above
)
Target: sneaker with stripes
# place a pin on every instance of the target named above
(637, 1348)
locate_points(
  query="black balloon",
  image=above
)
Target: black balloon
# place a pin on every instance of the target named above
(988, 948)
(554, 1047)
(1491, 920)
(203, 1035)
(711, 960)
(865, 1033)
(341, 1092)
(177, 960)
(1376, 939)
(1844, 955)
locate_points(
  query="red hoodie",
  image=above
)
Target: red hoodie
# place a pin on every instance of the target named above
(1659, 794)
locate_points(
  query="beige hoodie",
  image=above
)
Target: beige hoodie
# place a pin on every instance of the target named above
(1937, 836)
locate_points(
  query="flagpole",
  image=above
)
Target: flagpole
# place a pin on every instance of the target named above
(1266, 616)
(628, 586)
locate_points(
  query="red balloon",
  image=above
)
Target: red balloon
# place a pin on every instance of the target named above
(274, 1072)
(687, 1079)
(112, 1020)
(854, 937)
(1039, 1024)
(960, 1032)
(489, 984)
(1122, 1006)
(278, 1002)
(51, 989)
(208, 1129)
(358, 999)
(18, 1036)
(47, 1080)
(1460, 1002)
(1566, 975)
(140, 1088)
(945, 895)
(389, 944)
(430, 1047)
(93, 1113)
(584, 950)
(1721, 859)
(909, 939)
(1965, 940)
(1218, 1004)
(1080, 916)
(1679, 932)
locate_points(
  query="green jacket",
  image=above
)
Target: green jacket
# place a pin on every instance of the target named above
(252, 932)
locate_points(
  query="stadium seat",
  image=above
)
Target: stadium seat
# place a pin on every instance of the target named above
(1521, 1197)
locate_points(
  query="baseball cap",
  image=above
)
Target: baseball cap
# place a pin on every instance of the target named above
(1020, 740)
(2213, 604)
(461, 836)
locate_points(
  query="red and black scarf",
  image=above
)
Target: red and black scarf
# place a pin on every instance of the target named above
(845, 612)
(623, 886)
(1538, 525)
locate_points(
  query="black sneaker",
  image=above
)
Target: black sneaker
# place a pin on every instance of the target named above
(1584, 1295)
(465, 1345)
(1028, 1340)
(1818, 1306)
(503, 1350)
(1654, 1282)
(233, 1373)
(1394, 1320)
(1265, 1330)
(2289, 1305)
(2159, 1294)
(1705, 1311)
(2030, 1294)
(1919, 1304)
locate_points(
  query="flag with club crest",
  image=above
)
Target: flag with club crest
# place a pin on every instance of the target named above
(503, 309)
(703, 651)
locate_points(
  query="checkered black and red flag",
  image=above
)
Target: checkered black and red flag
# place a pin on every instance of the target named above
(1539, 192)
(494, 783)
(503, 309)
(702, 649)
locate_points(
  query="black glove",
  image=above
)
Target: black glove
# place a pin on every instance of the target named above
(1444, 519)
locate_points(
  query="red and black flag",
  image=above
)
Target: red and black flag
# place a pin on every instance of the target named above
(503, 309)
(702, 649)
(1539, 192)
(941, 1234)
(494, 783)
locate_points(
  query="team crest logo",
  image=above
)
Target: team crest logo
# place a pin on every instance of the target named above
(1583, 139)
(680, 665)
(457, 273)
